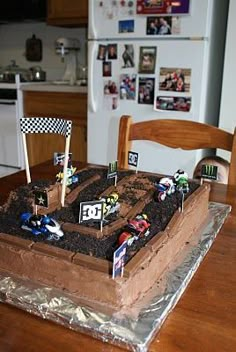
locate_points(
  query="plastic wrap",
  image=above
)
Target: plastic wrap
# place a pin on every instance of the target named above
(135, 329)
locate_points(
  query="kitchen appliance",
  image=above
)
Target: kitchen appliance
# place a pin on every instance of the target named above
(68, 48)
(11, 150)
(37, 74)
(196, 45)
(8, 73)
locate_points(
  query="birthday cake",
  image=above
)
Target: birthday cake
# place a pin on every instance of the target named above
(81, 260)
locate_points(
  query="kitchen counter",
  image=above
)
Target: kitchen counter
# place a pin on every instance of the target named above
(52, 87)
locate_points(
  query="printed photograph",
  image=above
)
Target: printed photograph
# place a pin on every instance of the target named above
(110, 87)
(163, 25)
(112, 51)
(128, 87)
(114, 103)
(128, 56)
(147, 59)
(110, 102)
(110, 99)
(175, 79)
(146, 90)
(126, 26)
(163, 7)
(102, 49)
(106, 68)
(173, 103)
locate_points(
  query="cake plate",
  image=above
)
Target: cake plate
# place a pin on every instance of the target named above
(133, 329)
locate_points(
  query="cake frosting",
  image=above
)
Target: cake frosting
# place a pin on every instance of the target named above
(89, 277)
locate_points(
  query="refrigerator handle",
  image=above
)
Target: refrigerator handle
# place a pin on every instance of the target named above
(91, 28)
(91, 55)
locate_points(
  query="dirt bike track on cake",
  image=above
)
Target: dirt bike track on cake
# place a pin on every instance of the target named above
(134, 191)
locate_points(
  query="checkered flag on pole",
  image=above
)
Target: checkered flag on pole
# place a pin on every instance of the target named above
(47, 125)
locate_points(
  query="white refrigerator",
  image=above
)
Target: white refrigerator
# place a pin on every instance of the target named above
(227, 120)
(135, 68)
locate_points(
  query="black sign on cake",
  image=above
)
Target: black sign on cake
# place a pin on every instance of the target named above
(112, 169)
(59, 159)
(41, 198)
(133, 158)
(209, 172)
(91, 211)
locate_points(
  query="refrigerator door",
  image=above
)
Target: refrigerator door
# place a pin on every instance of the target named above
(120, 20)
(108, 101)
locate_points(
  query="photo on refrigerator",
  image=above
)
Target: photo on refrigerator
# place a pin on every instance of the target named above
(175, 79)
(164, 25)
(102, 49)
(168, 7)
(146, 90)
(128, 56)
(128, 87)
(147, 59)
(172, 103)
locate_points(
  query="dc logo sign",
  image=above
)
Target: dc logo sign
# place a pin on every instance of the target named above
(133, 158)
(91, 211)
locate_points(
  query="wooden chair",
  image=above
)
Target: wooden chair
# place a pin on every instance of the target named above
(182, 134)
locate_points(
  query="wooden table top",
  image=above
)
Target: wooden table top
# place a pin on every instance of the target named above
(203, 320)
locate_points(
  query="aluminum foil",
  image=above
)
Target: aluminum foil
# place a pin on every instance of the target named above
(133, 330)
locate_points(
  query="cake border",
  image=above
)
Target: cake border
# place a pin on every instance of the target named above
(99, 269)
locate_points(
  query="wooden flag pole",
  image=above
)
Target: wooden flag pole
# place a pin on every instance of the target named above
(137, 164)
(64, 181)
(27, 169)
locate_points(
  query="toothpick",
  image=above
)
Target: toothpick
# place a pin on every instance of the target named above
(27, 169)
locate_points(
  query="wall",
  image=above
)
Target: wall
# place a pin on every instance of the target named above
(227, 110)
(14, 36)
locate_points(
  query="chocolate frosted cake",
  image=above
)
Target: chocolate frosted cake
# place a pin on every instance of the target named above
(80, 262)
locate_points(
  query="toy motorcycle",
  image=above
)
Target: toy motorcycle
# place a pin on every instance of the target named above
(41, 224)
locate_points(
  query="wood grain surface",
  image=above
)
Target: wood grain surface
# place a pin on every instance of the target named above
(203, 320)
(184, 134)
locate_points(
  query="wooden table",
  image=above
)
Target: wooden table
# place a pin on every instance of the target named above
(203, 320)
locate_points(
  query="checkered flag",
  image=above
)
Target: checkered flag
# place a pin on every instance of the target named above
(45, 125)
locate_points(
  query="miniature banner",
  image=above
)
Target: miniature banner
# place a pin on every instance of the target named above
(133, 158)
(91, 211)
(46, 125)
(59, 158)
(209, 171)
(112, 169)
(41, 198)
(119, 260)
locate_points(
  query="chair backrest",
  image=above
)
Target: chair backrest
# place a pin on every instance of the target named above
(187, 135)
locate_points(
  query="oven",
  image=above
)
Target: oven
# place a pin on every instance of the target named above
(11, 155)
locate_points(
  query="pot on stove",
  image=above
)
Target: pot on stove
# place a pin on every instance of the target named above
(8, 73)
